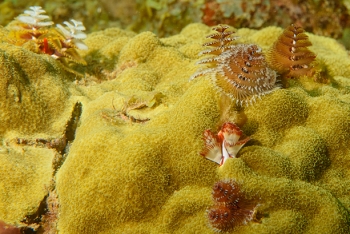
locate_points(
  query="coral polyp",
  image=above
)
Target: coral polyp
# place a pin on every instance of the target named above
(231, 208)
(289, 55)
(238, 71)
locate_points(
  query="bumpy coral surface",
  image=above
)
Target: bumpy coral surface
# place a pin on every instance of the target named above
(35, 107)
(33, 95)
(127, 176)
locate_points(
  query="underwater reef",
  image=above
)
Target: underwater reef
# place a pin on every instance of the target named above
(168, 17)
(117, 150)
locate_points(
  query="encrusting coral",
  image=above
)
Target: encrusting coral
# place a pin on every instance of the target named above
(35, 109)
(27, 105)
(238, 71)
(286, 164)
(122, 177)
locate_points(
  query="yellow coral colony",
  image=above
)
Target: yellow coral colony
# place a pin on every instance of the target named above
(296, 165)
(129, 177)
(238, 71)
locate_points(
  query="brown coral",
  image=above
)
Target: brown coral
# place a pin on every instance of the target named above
(289, 55)
(238, 71)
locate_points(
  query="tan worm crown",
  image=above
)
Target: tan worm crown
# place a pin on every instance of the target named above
(238, 71)
(289, 55)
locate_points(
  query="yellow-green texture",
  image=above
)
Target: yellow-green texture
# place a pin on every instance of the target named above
(125, 177)
(34, 103)
(26, 174)
(121, 176)
(33, 93)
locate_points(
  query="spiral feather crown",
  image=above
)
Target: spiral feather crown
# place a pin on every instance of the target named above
(238, 71)
(289, 55)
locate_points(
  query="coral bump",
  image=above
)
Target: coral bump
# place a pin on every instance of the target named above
(238, 71)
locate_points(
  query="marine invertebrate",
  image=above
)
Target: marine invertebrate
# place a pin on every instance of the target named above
(225, 191)
(224, 145)
(289, 55)
(230, 208)
(35, 18)
(30, 25)
(61, 42)
(64, 42)
(124, 113)
(222, 40)
(238, 71)
(73, 33)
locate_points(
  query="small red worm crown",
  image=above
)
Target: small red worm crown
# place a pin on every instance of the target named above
(289, 55)
(226, 144)
(231, 208)
(238, 71)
